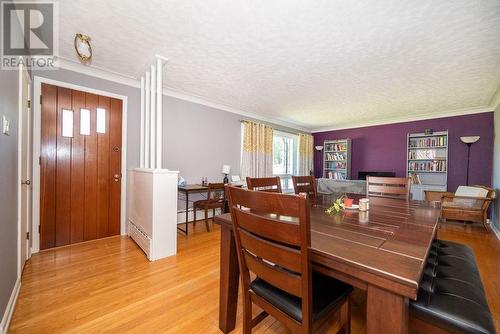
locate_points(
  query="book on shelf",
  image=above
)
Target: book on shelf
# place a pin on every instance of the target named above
(336, 147)
(335, 165)
(427, 166)
(335, 156)
(424, 154)
(438, 141)
(336, 175)
(415, 178)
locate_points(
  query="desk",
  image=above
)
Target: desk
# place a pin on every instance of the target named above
(382, 251)
(187, 189)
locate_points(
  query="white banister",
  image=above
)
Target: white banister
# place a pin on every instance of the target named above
(152, 130)
(142, 142)
(159, 117)
(147, 121)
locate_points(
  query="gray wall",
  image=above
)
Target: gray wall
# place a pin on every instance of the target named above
(9, 106)
(198, 140)
(496, 169)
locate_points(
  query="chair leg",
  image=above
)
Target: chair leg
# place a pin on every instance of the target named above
(345, 316)
(247, 314)
(485, 225)
(206, 220)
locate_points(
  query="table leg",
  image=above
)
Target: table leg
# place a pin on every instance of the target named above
(386, 312)
(229, 276)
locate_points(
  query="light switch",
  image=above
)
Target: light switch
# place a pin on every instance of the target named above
(6, 125)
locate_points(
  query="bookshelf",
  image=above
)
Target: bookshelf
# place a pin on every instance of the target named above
(427, 162)
(337, 159)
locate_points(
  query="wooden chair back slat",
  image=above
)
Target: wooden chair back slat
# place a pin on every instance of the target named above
(268, 202)
(267, 184)
(392, 187)
(280, 278)
(269, 228)
(285, 257)
(304, 184)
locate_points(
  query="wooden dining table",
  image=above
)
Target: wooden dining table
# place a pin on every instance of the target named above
(382, 251)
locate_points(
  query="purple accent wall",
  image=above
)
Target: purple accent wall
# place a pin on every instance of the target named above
(382, 148)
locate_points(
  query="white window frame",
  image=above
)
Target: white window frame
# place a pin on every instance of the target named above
(288, 176)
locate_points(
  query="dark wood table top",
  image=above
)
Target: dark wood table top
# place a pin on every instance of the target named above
(389, 242)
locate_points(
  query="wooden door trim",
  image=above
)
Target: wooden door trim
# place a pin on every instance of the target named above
(38, 81)
(23, 75)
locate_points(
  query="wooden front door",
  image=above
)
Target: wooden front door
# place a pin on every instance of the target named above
(80, 183)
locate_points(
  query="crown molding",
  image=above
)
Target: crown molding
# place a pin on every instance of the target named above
(120, 78)
(392, 120)
(116, 77)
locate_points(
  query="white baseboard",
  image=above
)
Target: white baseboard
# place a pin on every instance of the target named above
(9, 310)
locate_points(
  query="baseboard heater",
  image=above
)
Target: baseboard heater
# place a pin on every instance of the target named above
(141, 238)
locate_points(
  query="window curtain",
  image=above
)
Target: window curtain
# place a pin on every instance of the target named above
(305, 154)
(257, 150)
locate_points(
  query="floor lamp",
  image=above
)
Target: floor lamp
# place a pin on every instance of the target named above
(468, 141)
(319, 148)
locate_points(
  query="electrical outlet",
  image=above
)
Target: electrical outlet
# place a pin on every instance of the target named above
(6, 125)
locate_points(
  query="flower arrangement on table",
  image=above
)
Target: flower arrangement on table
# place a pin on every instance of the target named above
(339, 204)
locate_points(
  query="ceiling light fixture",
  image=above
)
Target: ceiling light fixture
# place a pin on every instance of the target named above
(83, 48)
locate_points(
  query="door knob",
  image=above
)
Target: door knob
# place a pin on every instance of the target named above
(117, 177)
(27, 182)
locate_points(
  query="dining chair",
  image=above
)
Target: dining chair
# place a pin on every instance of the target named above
(273, 239)
(215, 200)
(304, 184)
(390, 187)
(267, 184)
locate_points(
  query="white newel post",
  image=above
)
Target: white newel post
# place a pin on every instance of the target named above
(152, 206)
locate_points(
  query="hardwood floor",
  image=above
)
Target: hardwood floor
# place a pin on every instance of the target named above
(109, 286)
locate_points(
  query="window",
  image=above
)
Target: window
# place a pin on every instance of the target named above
(85, 122)
(285, 163)
(101, 120)
(67, 123)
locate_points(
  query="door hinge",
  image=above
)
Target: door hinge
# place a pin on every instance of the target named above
(27, 236)
(38, 229)
(29, 103)
(40, 99)
(40, 160)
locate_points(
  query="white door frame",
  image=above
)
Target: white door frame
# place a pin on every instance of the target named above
(23, 75)
(36, 152)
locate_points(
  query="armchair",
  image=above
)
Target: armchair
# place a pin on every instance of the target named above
(466, 204)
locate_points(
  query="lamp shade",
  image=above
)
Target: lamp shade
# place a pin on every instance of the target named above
(226, 169)
(469, 139)
(319, 148)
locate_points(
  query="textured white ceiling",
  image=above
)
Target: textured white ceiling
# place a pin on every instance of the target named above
(314, 63)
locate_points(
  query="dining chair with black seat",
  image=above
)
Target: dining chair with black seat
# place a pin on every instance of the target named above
(389, 187)
(273, 239)
(267, 184)
(215, 200)
(305, 184)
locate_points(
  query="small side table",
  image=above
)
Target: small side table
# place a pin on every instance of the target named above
(187, 189)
